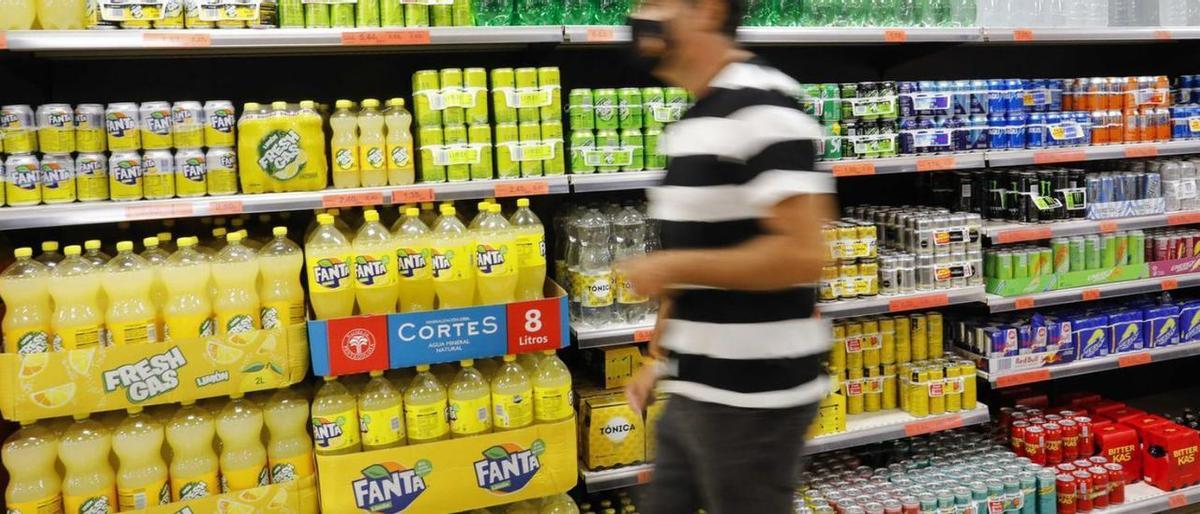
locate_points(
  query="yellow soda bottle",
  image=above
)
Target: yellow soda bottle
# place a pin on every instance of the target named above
(372, 145)
(127, 282)
(50, 255)
(563, 504)
(18, 14)
(551, 389)
(243, 457)
(94, 254)
(253, 127)
(425, 405)
(194, 464)
(496, 261)
(335, 420)
(345, 156)
(470, 402)
(328, 256)
(155, 255)
(142, 473)
(78, 320)
(89, 485)
(412, 258)
(312, 144)
(401, 168)
(187, 310)
(381, 414)
(289, 448)
(531, 252)
(280, 292)
(34, 486)
(235, 271)
(374, 266)
(453, 261)
(24, 285)
(428, 215)
(512, 396)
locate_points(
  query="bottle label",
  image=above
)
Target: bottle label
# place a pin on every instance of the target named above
(329, 273)
(470, 416)
(552, 403)
(140, 498)
(401, 156)
(133, 333)
(531, 250)
(26, 342)
(345, 159)
(192, 488)
(51, 505)
(595, 289)
(512, 410)
(79, 337)
(271, 312)
(625, 292)
(291, 468)
(242, 479)
(336, 432)
(451, 262)
(413, 263)
(494, 260)
(426, 422)
(373, 158)
(235, 322)
(381, 427)
(99, 502)
(188, 327)
(374, 271)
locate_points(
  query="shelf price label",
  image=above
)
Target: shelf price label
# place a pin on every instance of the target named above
(1133, 359)
(1056, 156)
(175, 39)
(924, 301)
(853, 169)
(340, 200)
(1162, 35)
(386, 37)
(413, 195)
(1141, 151)
(225, 207)
(644, 476)
(1183, 218)
(1024, 302)
(160, 211)
(522, 188)
(601, 35)
(3, 40)
(895, 35)
(1090, 294)
(946, 162)
(643, 335)
(1177, 500)
(934, 425)
(1022, 378)
(1022, 35)
(1108, 226)
(1023, 234)
(1169, 284)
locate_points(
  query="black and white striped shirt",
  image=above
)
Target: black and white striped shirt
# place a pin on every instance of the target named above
(741, 149)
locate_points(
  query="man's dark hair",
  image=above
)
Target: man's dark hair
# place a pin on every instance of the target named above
(733, 16)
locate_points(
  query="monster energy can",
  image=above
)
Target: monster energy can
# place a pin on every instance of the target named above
(481, 136)
(629, 108)
(530, 132)
(632, 138)
(655, 159)
(506, 167)
(582, 141)
(676, 99)
(503, 82)
(431, 141)
(580, 110)
(552, 133)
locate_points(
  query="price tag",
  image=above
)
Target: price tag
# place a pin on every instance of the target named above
(1183, 218)
(1022, 35)
(936, 163)
(1177, 500)
(385, 37)
(159, 211)
(1023, 234)
(1169, 284)
(1051, 156)
(1108, 226)
(643, 476)
(852, 169)
(643, 335)
(1024, 377)
(3, 40)
(1162, 35)
(1024, 302)
(1141, 151)
(413, 195)
(601, 35)
(524, 188)
(534, 326)
(223, 207)
(895, 35)
(1090, 294)
(924, 301)
(173, 39)
(1133, 359)
(339, 200)
(934, 425)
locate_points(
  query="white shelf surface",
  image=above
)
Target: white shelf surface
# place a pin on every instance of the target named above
(1088, 366)
(1069, 34)
(998, 303)
(1090, 153)
(904, 164)
(622, 180)
(1143, 498)
(1012, 232)
(611, 336)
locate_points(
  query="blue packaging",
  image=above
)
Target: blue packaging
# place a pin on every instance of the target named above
(958, 134)
(1001, 340)
(962, 97)
(1014, 95)
(977, 137)
(925, 86)
(1056, 91)
(905, 101)
(905, 139)
(1107, 191)
(1015, 130)
(1090, 333)
(996, 101)
(1125, 330)
(1084, 120)
(1053, 119)
(1035, 131)
(1161, 326)
(1059, 340)
(997, 136)
(979, 96)
(1189, 322)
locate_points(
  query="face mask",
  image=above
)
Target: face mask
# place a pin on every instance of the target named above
(642, 28)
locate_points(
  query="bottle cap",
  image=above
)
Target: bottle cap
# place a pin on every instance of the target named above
(22, 252)
(163, 237)
(508, 357)
(234, 237)
(376, 373)
(371, 215)
(279, 231)
(466, 363)
(219, 232)
(72, 250)
(412, 211)
(136, 409)
(448, 210)
(150, 242)
(236, 395)
(185, 242)
(343, 104)
(330, 378)
(370, 103)
(79, 417)
(522, 202)
(49, 246)
(548, 352)
(483, 207)
(279, 105)
(307, 104)
(125, 246)
(494, 208)
(396, 102)
(421, 368)
(427, 206)
(92, 244)
(325, 219)
(251, 106)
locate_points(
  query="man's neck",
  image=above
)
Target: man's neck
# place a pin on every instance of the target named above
(702, 63)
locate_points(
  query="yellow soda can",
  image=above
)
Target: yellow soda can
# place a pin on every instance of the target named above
(158, 174)
(125, 181)
(23, 181)
(191, 173)
(17, 126)
(58, 178)
(89, 129)
(121, 123)
(187, 124)
(222, 170)
(219, 122)
(191, 16)
(91, 177)
(154, 120)
(172, 15)
(56, 128)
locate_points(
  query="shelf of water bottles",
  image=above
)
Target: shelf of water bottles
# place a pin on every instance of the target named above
(620, 129)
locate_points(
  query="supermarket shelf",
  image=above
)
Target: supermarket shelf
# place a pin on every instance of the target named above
(861, 429)
(998, 303)
(1090, 153)
(596, 34)
(1088, 366)
(580, 34)
(593, 182)
(900, 303)
(1142, 498)
(1084, 34)
(1003, 233)
(611, 336)
(906, 164)
(106, 212)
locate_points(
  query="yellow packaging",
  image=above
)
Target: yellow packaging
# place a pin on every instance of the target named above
(889, 387)
(966, 370)
(873, 390)
(871, 343)
(918, 392)
(142, 497)
(426, 422)
(903, 382)
(936, 390)
(241, 479)
(552, 403)
(613, 434)
(953, 387)
(837, 355)
(654, 411)
(614, 366)
(91, 177)
(853, 388)
(831, 417)
(97, 501)
(887, 340)
(511, 411)
(933, 322)
(919, 337)
(125, 180)
(381, 427)
(471, 417)
(58, 179)
(903, 339)
(190, 488)
(276, 158)
(854, 345)
(23, 181)
(270, 499)
(51, 505)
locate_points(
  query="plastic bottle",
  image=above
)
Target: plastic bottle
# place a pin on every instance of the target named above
(629, 242)
(559, 504)
(235, 271)
(166, 242)
(328, 256)
(414, 273)
(381, 414)
(156, 256)
(496, 260)
(335, 420)
(29, 455)
(374, 267)
(425, 404)
(187, 311)
(50, 255)
(280, 292)
(593, 282)
(141, 472)
(311, 127)
(428, 216)
(345, 157)
(551, 389)
(127, 281)
(401, 169)
(78, 320)
(372, 145)
(481, 213)
(89, 484)
(93, 253)
(531, 252)
(470, 402)
(194, 464)
(453, 267)
(243, 458)
(253, 126)
(512, 396)
(289, 448)
(18, 14)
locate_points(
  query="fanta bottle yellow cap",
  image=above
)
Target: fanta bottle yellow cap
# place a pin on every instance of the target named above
(522, 202)
(125, 246)
(330, 378)
(376, 373)
(494, 208)
(412, 211)
(396, 102)
(279, 106)
(185, 242)
(427, 206)
(308, 104)
(448, 210)
(548, 352)
(236, 396)
(23, 252)
(421, 368)
(466, 363)
(92, 244)
(72, 250)
(279, 231)
(371, 215)
(136, 409)
(150, 242)
(234, 237)
(370, 103)
(325, 219)
(252, 106)
(163, 237)
(49, 246)
(79, 417)
(219, 232)
(482, 206)
(508, 357)
(343, 104)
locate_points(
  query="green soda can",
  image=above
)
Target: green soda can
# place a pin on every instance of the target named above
(526, 80)
(629, 108)
(367, 13)
(989, 264)
(456, 138)
(655, 159)
(552, 133)
(632, 138)
(581, 113)
(1108, 251)
(425, 82)
(461, 13)
(1061, 248)
(1122, 253)
(442, 15)
(582, 142)
(1046, 257)
(605, 102)
(416, 15)
(833, 143)
(452, 83)
(431, 142)
(291, 14)
(391, 13)
(316, 16)
(549, 78)
(677, 103)
(1076, 250)
(652, 102)
(1020, 264)
(1091, 252)
(609, 142)
(503, 82)
(506, 167)
(810, 99)
(1137, 247)
(342, 16)
(480, 136)
(530, 132)
(831, 103)
(1035, 262)
(475, 80)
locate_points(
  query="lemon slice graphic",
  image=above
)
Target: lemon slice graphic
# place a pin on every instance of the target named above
(222, 354)
(54, 397)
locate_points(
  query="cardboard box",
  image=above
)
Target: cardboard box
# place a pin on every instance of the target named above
(653, 413)
(614, 366)
(1125, 331)
(831, 417)
(613, 434)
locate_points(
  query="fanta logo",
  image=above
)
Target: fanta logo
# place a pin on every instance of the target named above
(442, 262)
(194, 490)
(330, 272)
(33, 342)
(228, 161)
(147, 378)
(118, 123)
(389, 488)
(89, 167)
(369, 268)
(487, 257)
(60, 120)
(24, 176)
(277, 152)
(507, 468)
(180, 116)
(159, 123)
(10, 120)
(221, 120)
(358, 344)
(281, 473)
(326, 430)
(410, 261)
(194, 170)
(127, 173)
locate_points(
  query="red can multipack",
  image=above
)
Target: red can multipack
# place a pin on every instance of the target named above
(1104, 408)
(1169, 457)
(1126, 413)
(1119, 443)
(1143, 423)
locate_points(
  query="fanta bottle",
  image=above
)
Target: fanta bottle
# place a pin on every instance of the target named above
(470, 402)
(18, 14)
(217, 242)
(235, 271)
(193, 462)
(89, 485)
(187, 311)
(429, 216)
(381, 414)
(559, 504)
(78, 320)
(33, 483)
(24, 285)
(528, 362)
(495, 258)
(371, 144)
(551, 389)
(252, 128)
(93, 253)
(400, 164)
(344, 150)
(166, 242)
(142, 473)
(335, 420)
(127, 281)
(452, 248)
(243, 458)
(512, 398)
(60, 14)
(281, 293)
(374, 267)
(425, 408)
(312, 143)
(481, 212)
(327, 256)
(415, 275)
(289, 450)
(50, 255)
(156, 256)
(531, 252)
(340, 223)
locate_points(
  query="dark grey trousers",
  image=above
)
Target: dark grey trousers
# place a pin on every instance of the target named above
(726, 460)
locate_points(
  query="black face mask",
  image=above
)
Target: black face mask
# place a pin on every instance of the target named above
(649, 29)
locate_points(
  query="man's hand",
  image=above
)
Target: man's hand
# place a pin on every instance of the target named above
(650, 275)
(640, 390)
